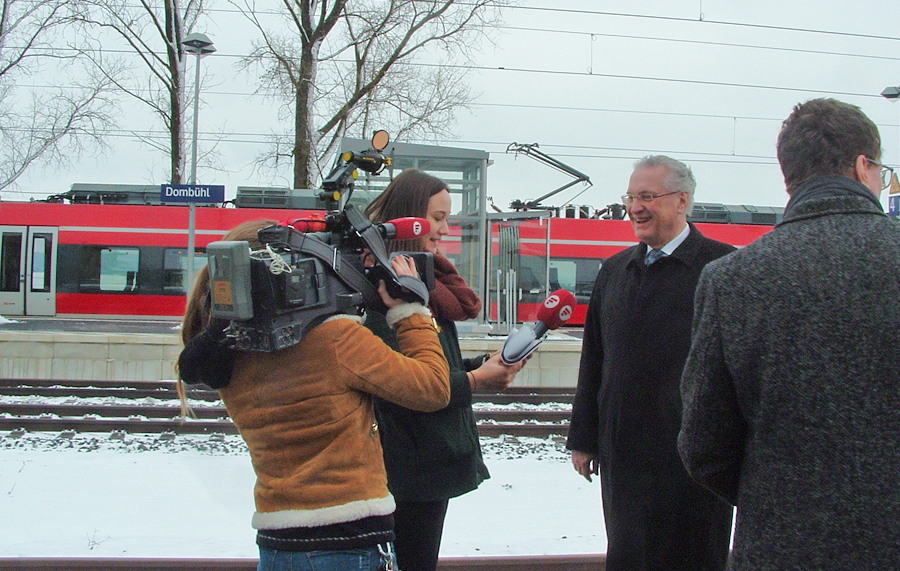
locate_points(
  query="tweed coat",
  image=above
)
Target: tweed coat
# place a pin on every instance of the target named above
(627, 409)
(792, 387)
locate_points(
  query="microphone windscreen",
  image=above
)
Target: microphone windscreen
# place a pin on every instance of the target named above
(305, 224)
(557, 308)
(408, 228)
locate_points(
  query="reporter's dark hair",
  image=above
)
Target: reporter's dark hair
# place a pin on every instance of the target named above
(823, 137)
(407, 195)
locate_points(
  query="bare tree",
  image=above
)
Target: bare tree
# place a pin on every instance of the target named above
(353, 65)
(154, 31)
(38, 123)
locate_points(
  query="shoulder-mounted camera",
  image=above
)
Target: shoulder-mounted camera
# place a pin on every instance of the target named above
(310, 269)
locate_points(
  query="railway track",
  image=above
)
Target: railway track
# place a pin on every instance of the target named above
(152, 407)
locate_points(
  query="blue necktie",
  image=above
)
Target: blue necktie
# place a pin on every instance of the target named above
(653, 255)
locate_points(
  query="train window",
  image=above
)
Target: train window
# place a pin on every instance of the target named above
(118, 269)
(10, 261)
(574, 274)
(563, 275)
(174, 266)
(41, 250)
(587, 275)
(108, 269)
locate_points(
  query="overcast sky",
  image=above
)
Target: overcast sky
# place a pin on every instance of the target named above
(597, 84)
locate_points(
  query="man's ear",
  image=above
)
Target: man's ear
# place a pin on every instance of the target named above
(861, 171)
(683, 199)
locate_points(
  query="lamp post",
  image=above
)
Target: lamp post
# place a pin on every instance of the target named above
(892, 93)
(199, 45)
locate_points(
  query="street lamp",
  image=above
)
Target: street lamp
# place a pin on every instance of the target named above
(893, 93)
(199, 45)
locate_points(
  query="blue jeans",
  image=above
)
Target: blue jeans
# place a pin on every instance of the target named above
(360, 559)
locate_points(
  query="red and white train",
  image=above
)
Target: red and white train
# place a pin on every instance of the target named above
(127, 260)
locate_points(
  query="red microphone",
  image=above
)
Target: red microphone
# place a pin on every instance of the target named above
(556, 310)
(305, 224)
(408, 228)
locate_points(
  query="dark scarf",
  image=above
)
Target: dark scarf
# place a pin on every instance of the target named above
(829, 187)
(452, 298)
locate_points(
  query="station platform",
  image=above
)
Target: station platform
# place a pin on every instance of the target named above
(147, 350)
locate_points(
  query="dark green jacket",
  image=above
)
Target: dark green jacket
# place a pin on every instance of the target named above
(431, 456)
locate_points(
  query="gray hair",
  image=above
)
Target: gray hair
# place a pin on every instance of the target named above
(680, 178)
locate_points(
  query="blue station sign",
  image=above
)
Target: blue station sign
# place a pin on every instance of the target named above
(894, 205)
(206, 193)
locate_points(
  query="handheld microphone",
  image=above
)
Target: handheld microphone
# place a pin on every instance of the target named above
(556, 310)
(408, 228)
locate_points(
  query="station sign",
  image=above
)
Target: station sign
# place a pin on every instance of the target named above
(204, 193)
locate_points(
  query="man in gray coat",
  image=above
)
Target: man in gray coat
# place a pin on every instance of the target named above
(791, 390)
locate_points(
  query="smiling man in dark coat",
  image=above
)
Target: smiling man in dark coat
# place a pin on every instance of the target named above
(627, 409)
(792, 388)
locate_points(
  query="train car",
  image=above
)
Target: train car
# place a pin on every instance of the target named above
(128, 260)
(104, 260)
(579, 246)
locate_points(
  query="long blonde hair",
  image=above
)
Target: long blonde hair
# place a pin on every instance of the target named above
(197, 313)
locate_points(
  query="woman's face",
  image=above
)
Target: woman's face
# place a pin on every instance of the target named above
(438, 211)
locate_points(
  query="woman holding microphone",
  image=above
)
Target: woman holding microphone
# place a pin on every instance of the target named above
(432, 456)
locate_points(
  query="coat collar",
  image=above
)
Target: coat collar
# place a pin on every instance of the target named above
(826, 195)
(686, 252)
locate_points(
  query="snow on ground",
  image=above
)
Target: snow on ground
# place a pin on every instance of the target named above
(91, 496)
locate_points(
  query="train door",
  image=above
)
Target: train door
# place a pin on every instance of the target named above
(520, 247)
(28, 270)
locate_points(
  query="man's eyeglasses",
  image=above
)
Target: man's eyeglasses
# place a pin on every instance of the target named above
(645, 197)
(887, 173)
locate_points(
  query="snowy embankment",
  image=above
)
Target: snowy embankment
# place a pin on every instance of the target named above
(92, 496)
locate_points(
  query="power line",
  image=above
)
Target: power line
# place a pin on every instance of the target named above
(700, 20)
(571, 73)
(629, 111)
(729, 158)
(700, 42)
(663, 79)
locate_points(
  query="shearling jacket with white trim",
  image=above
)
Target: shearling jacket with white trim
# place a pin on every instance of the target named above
(306, 414)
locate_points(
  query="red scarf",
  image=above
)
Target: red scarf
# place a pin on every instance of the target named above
(452, 298)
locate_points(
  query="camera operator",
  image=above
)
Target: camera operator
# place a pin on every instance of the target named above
(307, 416)
(432, 456)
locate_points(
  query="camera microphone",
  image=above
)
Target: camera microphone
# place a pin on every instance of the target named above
(554, 312)
(305, 224)
(408, 228)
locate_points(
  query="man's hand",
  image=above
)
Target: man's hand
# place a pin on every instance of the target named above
(585, 464)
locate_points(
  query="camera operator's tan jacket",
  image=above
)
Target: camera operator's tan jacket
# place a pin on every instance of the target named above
(306, 414)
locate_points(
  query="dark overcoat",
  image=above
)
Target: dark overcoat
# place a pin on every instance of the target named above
(627, 409)
(792, 388)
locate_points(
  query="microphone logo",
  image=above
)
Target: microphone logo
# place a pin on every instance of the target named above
(552, 301)
(417, 228)
(565, 313)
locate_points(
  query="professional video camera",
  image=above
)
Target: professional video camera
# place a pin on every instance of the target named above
(310, 269)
